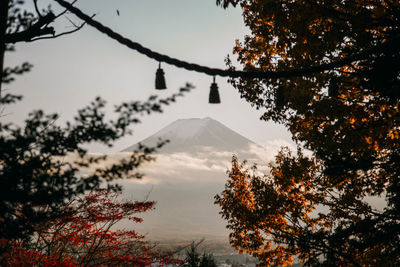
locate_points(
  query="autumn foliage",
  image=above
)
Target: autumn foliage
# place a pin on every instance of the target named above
(319, 208)
(268, 213)
(88, 235)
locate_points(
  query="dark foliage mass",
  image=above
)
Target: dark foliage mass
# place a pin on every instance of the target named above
(34, 168)
(44, 165)
(195, 259)
(315, 208)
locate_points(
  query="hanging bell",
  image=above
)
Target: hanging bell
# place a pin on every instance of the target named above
(279, 97)
(333, 89)
(214, 94)
(160, 79)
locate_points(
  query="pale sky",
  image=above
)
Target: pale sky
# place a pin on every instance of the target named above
(72, 70)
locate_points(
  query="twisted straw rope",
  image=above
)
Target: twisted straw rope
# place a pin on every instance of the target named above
(220, 72)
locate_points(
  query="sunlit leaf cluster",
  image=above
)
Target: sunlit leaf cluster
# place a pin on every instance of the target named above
(86, 235)
(346, 117)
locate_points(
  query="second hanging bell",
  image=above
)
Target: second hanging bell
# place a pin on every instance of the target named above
(160, 79)
(214, 94)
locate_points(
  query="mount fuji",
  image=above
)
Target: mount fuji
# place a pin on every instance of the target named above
(197, 135)
(186, 175)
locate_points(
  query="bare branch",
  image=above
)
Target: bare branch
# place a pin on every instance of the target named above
(60, 34)
(38, 29)
(66, 10)
(41, 29)
(70, 21)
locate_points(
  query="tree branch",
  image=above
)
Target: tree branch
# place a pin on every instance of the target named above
(4, 5)
(60, 34)
(40, 28)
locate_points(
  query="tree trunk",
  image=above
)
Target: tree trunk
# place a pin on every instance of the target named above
(4, 4)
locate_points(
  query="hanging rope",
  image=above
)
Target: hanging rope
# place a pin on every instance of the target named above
(220, 72)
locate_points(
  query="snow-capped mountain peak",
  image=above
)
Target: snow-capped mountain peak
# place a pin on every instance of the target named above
(194, 134)
(185, 128)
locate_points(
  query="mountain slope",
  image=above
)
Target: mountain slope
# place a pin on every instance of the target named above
(195, 135)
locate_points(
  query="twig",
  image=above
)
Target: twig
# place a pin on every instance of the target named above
(37, 8)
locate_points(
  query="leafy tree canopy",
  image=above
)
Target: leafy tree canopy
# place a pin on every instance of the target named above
(84, 236)
(34, 171)
(315, 207)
